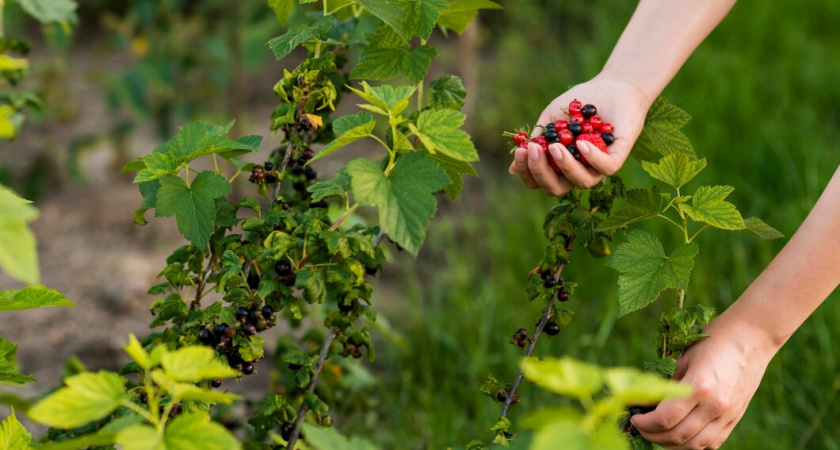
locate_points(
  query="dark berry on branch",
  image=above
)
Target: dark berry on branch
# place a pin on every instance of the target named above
(261, 323)
(588, 110)
(551, 329)
(300, 187)
(371, 270)
(286, 207)
(283, 268)
(249, 329)
(175, 411)
(229, 331)
(248, 368)
(357, 353)
(550, 282)
(507, 435)
(253, 280)
(241, 313)
(550, 135)
(501, 397)
(301, 161)
(267, 311)
(257, 170)
(293, 366)
(545, 274)
(286, 430)
(308, 154)
(270, 178)
(252, 179)
(575, 128)
(268, 166)
(205, 336)
(219, 329)
(562, 296)
(345, 305)
(216, 382)
(143, 397)
(608, 138)
(224, 341)
(310, 173)
(253, 314)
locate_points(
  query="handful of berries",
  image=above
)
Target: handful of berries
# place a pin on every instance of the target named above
(585, 125)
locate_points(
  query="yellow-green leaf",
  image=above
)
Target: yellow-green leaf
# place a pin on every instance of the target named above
(708, 205)
(87, 397)
(195, 363)
(565, 376)
(675, 169)
(634, 387)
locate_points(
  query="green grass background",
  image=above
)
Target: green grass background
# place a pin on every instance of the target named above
(764, 95)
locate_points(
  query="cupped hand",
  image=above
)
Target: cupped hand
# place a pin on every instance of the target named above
(725, 369)
(622, 104)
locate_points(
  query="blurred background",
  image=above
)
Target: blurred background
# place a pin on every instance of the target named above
(762, 90)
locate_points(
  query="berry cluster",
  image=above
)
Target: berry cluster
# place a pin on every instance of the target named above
(627, 426)
(585, 125)
(305, 174)
(263, 174)
(221, 336)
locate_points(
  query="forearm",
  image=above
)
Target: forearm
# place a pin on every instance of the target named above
(660, 37)
(799, 279)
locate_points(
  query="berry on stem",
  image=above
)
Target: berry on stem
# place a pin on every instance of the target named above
(551, 328)
(588, 110)
(575, 107)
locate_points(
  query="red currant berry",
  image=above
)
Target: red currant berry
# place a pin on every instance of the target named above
(575, 107)
(586, 128)
(542, 141)
(520, 137)
(561, 125)
(606, 128)
(566, 137)
(578, 118)
(596, 122)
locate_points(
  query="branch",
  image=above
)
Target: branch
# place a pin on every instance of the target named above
(286, 157)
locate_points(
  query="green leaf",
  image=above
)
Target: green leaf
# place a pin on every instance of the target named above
(637, 388)
(421, 16)
(454, 169)
(383, 64)
(708, 205)
(13, 436)
(676, 169)
(439, 130)
(252, 349)
(51, 11)
(643, 204)
(137, 352)
(462, 12)
(335, 186)
(32, 297)
(149, 192)
(388, 12)
(349, 128)
(757, 227)
(565, 376)
(404, 197)
(87, 397)
(661, 134)
(321, 438)
(284, 44)
(448, 92)
(388, 100)
(189, 391)
(156, 166)
(195, 363)
(140, 437)
(193, 206)
(8, 367)
(645, 270)
(192, 431)
(664, 367)
(281, 8)
(198, 139)
(18, 256)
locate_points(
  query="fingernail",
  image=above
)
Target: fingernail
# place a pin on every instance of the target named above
(583, 147)
(555, 151)
(519, 155)
(533, 155)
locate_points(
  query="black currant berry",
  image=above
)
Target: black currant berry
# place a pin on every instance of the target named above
(253, 280)
(310, 173)
(286, 430)
(551, 329)
(224, 341)
(545, 274)
(301, 161)
(253, 314)
(283, 268)
(219, 329)
(216, 383)
(241, 313)
(175, 411)
(588, 110)
(608, 138)
(550, 135)
(205, 336)
(261, 323)
(345, 305)
(294, 366)
(297, 170)
(371, 270)
(229, 332)
(268, 166)
(143, 397)
(575, 128)
(248, 368)
(267, 311)
(308, 154)
(562, 296)
(270, 178)
(300, 187)
(249, 329)
(550, 282)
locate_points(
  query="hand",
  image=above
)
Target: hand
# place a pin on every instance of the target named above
(725, 369)
(622, 104)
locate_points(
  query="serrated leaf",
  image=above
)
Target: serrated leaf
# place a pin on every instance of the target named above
(193, 431)
(643, 204)
(565, 376)
(189, 391)
(195, 363)
(155, 166)
(645, 271)
(675, 170)
(8, 367)
(661, 135)
(18, 256)
(404, 197)
(421, 16)
(137, 352)
(198, 139)
(87, 397)
(454, 169)
(386, 98)
(193, 206)
(439, 130)
(708, 205)
(387, 11)
(252, 349)
(13, 436)
(664, 367)
(756, 226)
(348, 129)
(633, 387)
(284, 44)
(51, 11)
(140, 437)
(461, 12)
(383, 64)
(386, 37)
(335, 186)
(32, 297)
(282, 9)
(448, 92)
(321, 438)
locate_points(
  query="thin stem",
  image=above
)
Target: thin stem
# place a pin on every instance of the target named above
(326, 10)
(682, 297)
(318, 49)
(698, 232)
(215, 163)
(282, 170)
(344, 216)
(377, 139)
(2, 5)
(304, 408)
(378, 239)
(142, 412)
(669, 220)
(187, 174)
(420, 86)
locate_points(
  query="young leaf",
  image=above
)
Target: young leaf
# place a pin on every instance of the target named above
(757, 227)
(193, 364)
(13, 436)
(387, 11)
(645, 270)
(8, 368)
(439, 130)
(461, 12)
(18, 256)
(708, 205)
(643, 204)
(140, 437)
(565, 376)
(51, 11)
(388, 99)
(156, 165)
(335, 186)
(193, 206)
(383, 64)
(454, 169)
(664, 367)
(349, 128)
(281, 8)
(87, 397)
(448, 92)
(32, 297)
(284, 44)
(135, 349)
(633, 387)
(329, 439)
(675, 170)
(661, 134)
(421, 16)
(404, 197)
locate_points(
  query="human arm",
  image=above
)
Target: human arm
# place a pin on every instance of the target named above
(726, 367)
(657, 41)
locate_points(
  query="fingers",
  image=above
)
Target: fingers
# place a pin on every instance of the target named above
(543, 174)
(577, 174)
(520, 163)
(688, 431)
(605, 163)
(710, 437)
(665, 417)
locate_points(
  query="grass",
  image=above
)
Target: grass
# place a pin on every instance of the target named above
(763, 93)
